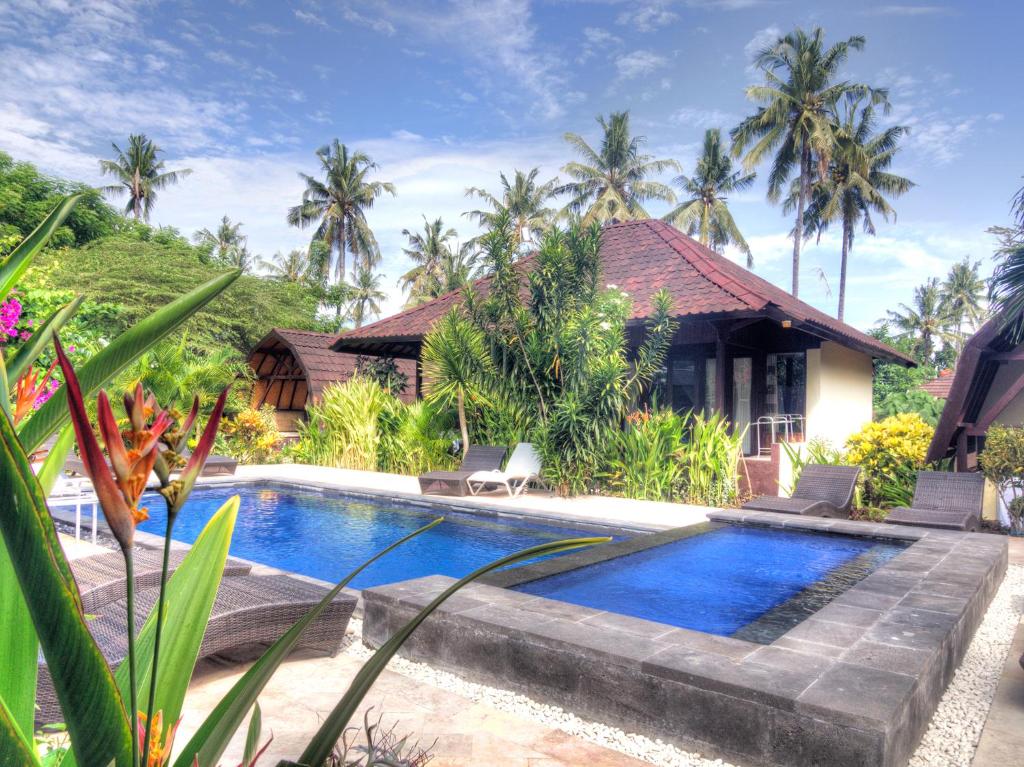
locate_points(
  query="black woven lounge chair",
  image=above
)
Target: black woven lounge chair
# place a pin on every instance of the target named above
(478, 458)
(250, 613)
(944, 499)
(101, 578)
(821, 491)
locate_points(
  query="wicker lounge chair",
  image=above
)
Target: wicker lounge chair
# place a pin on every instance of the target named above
(250, 613)
(101, 578)
(944, 499)
(478, 458)
(215, 466)
(821, 491)
(523, 467)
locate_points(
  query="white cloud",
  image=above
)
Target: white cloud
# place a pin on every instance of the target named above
(648, 16)
(307, 17)
(761, 40)
(908, 10)
(377, 24)
(704, 118)
(639, 63)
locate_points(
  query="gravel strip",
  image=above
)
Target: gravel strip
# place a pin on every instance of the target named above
(950, 741)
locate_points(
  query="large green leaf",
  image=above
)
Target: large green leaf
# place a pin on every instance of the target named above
(323, 742)
(19, 645)
(215, 733)
(15, 265)
(190, 593)
(15, 745)
(93, 712)
(120, 353)
(29, 352)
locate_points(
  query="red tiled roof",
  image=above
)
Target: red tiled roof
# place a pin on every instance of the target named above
(940, 385)
(322, 366)
(641, 257)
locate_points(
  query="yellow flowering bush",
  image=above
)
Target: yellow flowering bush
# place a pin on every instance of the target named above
(889, 452)
(252, 436)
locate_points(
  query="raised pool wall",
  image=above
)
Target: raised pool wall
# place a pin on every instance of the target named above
(855, 684)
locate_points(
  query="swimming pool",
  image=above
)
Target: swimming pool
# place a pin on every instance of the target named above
(751, 583)
(326, 535)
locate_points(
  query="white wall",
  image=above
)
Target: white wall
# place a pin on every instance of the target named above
(838, 392)
(1007, 374)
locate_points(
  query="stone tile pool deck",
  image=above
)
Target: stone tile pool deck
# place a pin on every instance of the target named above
(855, 684)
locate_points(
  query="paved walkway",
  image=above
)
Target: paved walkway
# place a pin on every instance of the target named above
(463, 733)
(589, 508)
(1002, 740)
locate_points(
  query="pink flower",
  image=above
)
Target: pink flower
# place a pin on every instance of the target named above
(24, 335)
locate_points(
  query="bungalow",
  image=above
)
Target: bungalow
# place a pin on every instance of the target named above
(777, 366)
(292, 368)
(987, 388)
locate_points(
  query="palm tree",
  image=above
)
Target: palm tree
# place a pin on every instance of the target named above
(337, 206)
(293, 267)
(140, 174)
(612, 181)
(926, 323)
(427, 250)
(962, 295)
(523, 199)
(704, 213)
(856, 184)
(225, 243)
(365, 295)
(799, 97)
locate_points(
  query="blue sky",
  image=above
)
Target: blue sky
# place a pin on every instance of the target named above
(444, 95)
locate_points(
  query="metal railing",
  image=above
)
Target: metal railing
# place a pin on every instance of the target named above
(785, 424)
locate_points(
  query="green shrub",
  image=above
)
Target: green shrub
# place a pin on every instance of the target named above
(1002, 462)
(890, 452)
(709, 459)
(911, 401)
(252, 436)
(645, 461)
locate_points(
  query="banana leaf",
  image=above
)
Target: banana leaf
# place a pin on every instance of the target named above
(320, 746)
(213, 736)
(93, 711)
(29, 352)
(15, 746)
(19, 645)
(191, 591)
(15, 265)
(120, 353)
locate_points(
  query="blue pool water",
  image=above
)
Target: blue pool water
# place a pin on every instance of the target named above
(327, 536)
(723, 580)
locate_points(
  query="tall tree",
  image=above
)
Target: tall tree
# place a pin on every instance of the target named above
(291, 267)
(1007, 286)
(523, 199)
(338, 204)
(926, 323)
(856, 184)
(139, 173)
(963, 295)
(427, 249)
(798, 99)
(226, 244)
(365, 295)
(613, 181)
(704, 212)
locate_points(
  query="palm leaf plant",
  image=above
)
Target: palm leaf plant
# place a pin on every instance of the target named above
(365, 295)
(613, 181)
(523, 200)
(140, 174)
(226, 245)
(704, 213)
(926, 323)
(337, 205)
(797, 115)
(440, 265)
(963, 294)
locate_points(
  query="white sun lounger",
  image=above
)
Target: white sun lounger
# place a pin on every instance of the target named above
(523, 467)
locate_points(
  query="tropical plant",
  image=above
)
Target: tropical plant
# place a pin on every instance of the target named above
(1001, 462)
(856, 183)
(887, 451)
(251, 436)
(1006, 289)
(383, 370)
(40, 601)
(294, 266)
(704, 212)
(911, 401)
(613, 181)
(440, 265)
(818, 451)
(337, 206)
(365, 295)
(379, 747)
(140, 174)
(798, 97)
(927, 323)
(644, 456)
(226, 246)
(710, 460)
(963, 295)
(523, 200)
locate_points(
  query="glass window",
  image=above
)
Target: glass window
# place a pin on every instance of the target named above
(786, 384)
(710, 371)
(683, 381)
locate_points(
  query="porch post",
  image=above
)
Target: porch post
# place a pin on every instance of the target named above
(721, 370)
(961, 450)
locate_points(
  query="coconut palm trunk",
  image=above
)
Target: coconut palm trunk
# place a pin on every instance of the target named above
(463, 427)
(805, 167)
(339, 269)
(847, 243)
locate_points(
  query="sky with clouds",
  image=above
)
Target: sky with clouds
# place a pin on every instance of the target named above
(444, 95)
